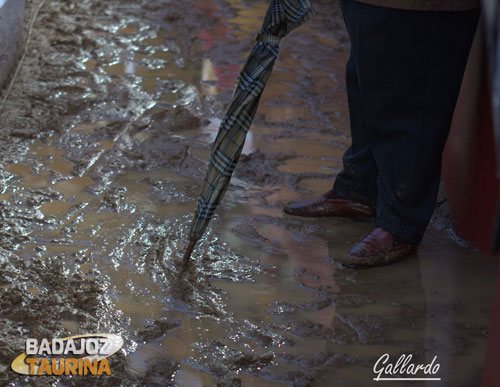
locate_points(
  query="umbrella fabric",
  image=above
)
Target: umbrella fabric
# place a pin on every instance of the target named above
(282, 17)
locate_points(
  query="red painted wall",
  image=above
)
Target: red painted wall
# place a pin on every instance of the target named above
(469, 175)
(469, 159)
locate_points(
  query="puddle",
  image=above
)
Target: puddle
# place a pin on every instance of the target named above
(99, 191)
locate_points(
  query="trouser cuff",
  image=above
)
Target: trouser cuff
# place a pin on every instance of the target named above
(350, 190)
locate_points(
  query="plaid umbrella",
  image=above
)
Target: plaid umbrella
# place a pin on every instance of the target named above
(282, 17)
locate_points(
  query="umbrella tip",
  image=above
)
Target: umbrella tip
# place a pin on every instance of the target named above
(189, 251)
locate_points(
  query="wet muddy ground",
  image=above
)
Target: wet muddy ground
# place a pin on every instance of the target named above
(104, 143)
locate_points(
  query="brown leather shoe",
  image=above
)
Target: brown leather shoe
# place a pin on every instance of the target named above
(375, 249)
(323, 206)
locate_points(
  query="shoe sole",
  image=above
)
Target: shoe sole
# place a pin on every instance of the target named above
(387, 262)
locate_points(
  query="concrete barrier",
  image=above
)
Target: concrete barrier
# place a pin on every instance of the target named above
(11, 35)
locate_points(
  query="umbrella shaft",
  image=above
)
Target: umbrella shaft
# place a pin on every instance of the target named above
(189, 251)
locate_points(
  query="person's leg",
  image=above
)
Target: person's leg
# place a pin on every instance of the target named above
(358, 179)
(354, 192)
(410, 66)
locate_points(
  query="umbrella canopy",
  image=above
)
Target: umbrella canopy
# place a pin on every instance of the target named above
(282, 17)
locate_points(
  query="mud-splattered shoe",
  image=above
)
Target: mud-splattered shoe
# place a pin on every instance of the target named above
(376, 249)
(328, 206)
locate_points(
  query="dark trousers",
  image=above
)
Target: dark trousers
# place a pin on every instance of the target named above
(403, 78)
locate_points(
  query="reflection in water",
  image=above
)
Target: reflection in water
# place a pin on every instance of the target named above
(208, 75)
(129, 68)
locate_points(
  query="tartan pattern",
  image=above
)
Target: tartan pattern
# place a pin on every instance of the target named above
(282, 17)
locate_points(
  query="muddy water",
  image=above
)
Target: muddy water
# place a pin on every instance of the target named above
(105, 140)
